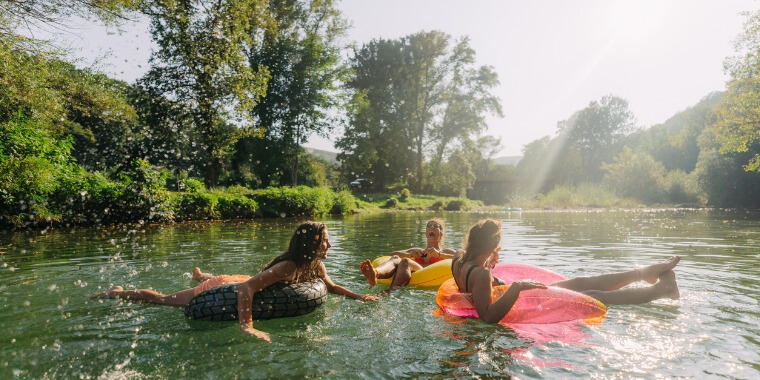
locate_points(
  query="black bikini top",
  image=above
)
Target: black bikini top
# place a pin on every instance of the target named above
(466, 277)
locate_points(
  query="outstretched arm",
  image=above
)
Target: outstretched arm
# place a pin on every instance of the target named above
(481, 294)
(279, 272)
(410, 253)
(337, 289)
(447, 253)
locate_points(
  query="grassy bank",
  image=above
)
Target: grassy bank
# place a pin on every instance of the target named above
(581, 196)
(418, 202)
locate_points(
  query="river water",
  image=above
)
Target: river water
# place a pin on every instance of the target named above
(49, 328)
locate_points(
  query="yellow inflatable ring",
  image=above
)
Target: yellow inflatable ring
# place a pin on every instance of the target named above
(430, 276)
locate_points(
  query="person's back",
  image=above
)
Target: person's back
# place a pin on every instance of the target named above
(471, 271)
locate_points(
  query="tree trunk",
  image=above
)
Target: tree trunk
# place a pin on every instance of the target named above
(419, 163)
(294, 175)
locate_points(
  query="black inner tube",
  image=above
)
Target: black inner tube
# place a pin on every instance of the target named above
(276, 301)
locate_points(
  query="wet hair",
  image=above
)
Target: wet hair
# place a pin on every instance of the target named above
(438, 224)
(302, 250)
(483, 237)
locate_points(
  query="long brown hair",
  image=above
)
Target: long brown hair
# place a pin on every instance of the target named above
(483, 237)
(302, 250)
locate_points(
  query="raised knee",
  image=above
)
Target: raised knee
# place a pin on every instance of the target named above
(405, 262)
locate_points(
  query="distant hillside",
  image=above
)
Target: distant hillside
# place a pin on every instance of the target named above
(323, 154)
(507, 160)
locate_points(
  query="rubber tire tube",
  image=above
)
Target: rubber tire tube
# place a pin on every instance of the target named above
(276, 301)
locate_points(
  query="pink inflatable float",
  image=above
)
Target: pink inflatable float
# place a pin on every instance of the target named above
(535, 306)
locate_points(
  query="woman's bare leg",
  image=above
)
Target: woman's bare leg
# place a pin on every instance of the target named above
(404, 273)
(181, 298)
(386, 269)
(200, 276)
(615, 281)
(666, 287)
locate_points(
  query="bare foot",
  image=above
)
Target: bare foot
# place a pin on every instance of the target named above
(668, 285)
(200, 276)
(651, 273)
(111, 293)
(369, 272)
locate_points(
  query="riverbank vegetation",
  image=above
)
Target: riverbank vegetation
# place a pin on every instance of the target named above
(215, 127)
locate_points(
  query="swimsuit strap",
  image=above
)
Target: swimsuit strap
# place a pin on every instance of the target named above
(466, 278)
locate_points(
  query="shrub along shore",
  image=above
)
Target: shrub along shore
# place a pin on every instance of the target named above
(90, 199)
(41, 185)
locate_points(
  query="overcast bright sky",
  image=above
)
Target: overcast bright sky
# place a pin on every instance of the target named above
(552, 57)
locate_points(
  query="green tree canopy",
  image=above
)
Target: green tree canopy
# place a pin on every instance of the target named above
(301, 52)
(415, 97)
(737, 127)
(201, 61)
(40, 13)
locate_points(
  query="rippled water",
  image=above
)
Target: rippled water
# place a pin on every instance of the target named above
(50, 329)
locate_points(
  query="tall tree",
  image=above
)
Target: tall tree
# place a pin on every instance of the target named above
(201, 61)
(595, 133)
(468, 99)
(418, 95)
(425, 68)
(302, 55)
(738, 114)
(376, 141)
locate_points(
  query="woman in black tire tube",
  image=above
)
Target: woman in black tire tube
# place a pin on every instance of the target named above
(301, 262)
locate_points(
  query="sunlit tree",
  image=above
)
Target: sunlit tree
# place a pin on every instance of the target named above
(201, 61)
(418, 96)
(738, 114)
(301, 52)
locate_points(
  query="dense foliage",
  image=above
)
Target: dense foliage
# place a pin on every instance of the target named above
(418, 104)
(236, 87)
(302, 55)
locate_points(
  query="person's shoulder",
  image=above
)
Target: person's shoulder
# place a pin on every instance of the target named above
(481, 272)
(284, 266)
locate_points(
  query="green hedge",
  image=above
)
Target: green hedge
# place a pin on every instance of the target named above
(196, 206)
(233, 206)
(41, 184)
(461, 204)
(391, 202)
(302, 201)
(343, 203)
(404, 195)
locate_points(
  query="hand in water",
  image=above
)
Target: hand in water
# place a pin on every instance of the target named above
(370, 297)
(528, 285)
(257, 333)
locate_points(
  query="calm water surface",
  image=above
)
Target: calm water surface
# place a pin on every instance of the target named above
(50, 329)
